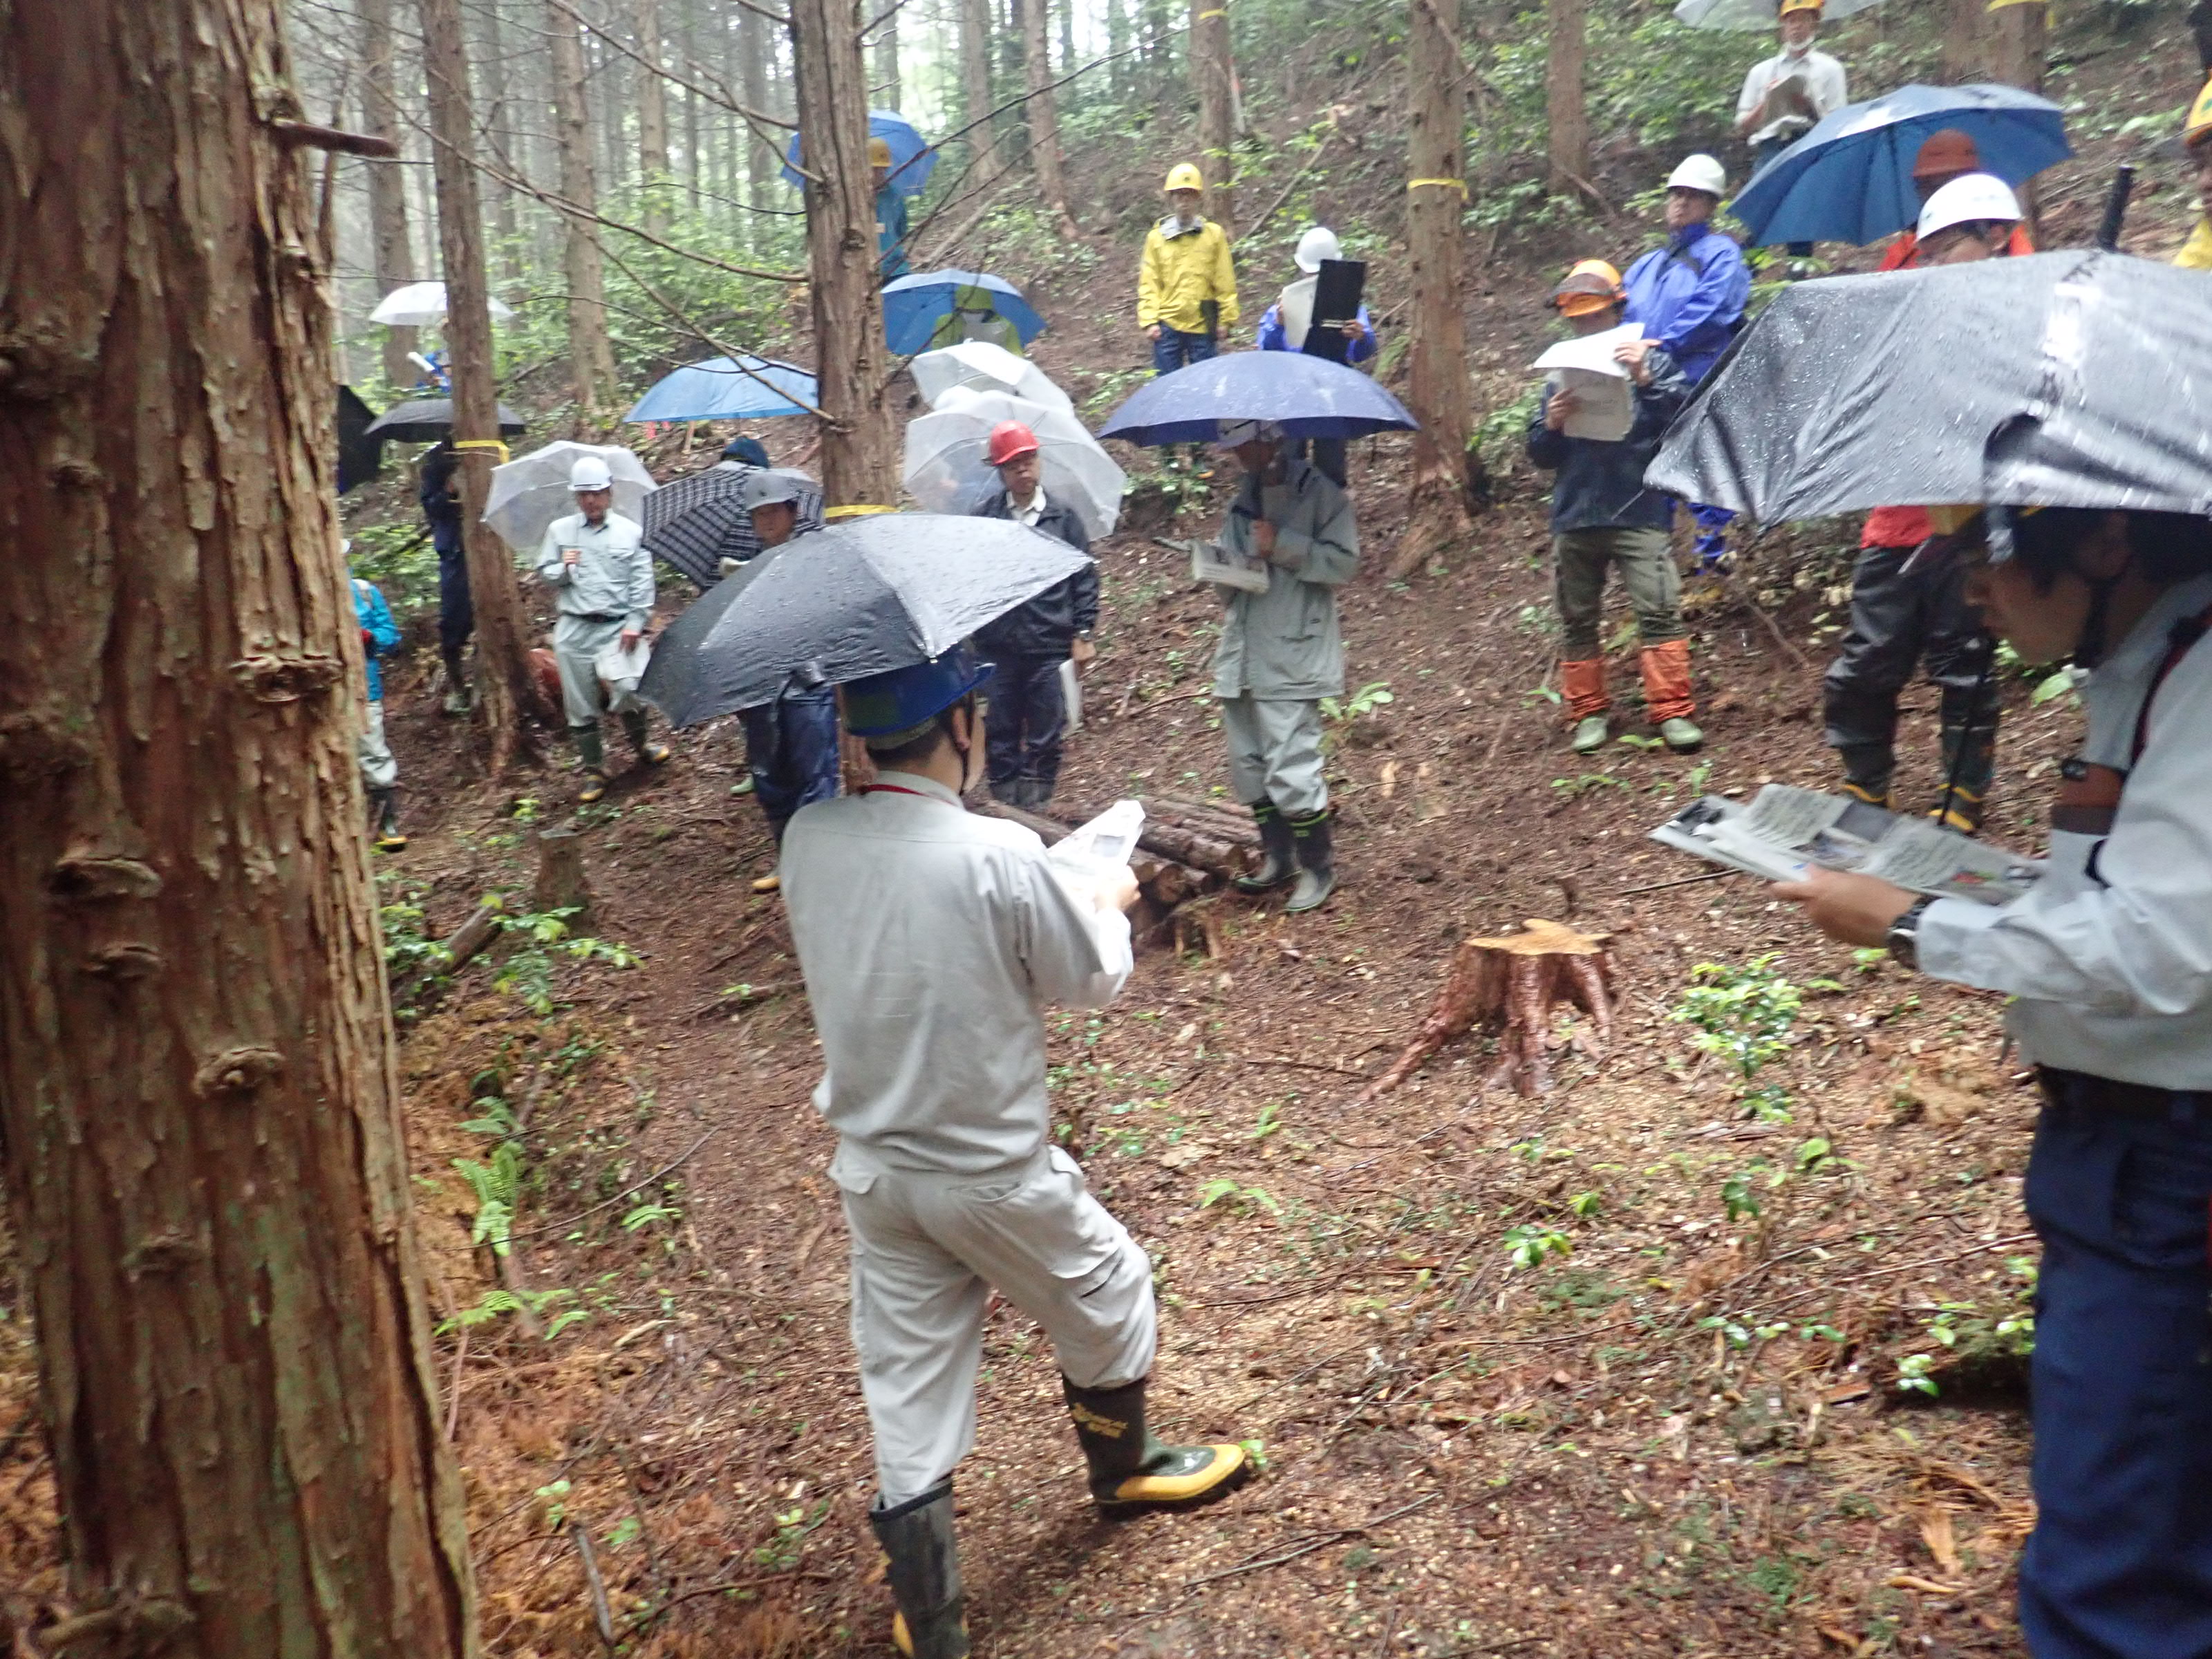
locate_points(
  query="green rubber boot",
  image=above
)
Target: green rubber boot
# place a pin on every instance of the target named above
(1591, 733)
(1129, 1469)
(925, 1574)
(1280, 861)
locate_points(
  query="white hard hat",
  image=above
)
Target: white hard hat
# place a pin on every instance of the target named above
(1317, 245)
(590, 473)
(1969, 199)
(1699, 171)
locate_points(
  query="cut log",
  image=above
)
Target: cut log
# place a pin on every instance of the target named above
(1513, 985)
(472, 936)
(1164, 880)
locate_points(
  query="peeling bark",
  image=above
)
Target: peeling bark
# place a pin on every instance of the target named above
(198, 1092)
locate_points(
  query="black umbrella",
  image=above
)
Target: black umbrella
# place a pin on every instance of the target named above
(862, 597)
(426, 420)
(2076, 379)
(361, 457)
(695, 522)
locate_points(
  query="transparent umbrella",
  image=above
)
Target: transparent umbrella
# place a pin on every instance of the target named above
(532, 490)
(1748, 16)
(421, 305)
(945, 472)
(982, 366)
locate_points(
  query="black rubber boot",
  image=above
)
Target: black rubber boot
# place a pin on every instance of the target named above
(384, 813)
(641, 741)
(461, 697)
(1868, 769)
(1315, 839)
(1281, 859)
(591, 749)
(1960, 805)
(924, 1574)
(1129, 1469)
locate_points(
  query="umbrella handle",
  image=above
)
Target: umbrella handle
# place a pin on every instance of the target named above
(2116, 208)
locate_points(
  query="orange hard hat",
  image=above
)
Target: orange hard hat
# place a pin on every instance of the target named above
(1592, 285)
(1010, 439)
(1945, 153)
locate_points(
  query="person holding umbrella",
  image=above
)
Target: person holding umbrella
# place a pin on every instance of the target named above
(440, 496)
(930, 938)
(1285, 323)
(1185, 282)
(1602, 516)
(1905, 612)
(1784, 96)
(2107, 964)
(2196, 143)
(791, 744)
(1690, 295)
(1030, 643)
(890, 211)
(1280, 653)
(602, 577)
(1942, 157)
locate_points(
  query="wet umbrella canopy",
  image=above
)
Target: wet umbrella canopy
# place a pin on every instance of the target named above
(426, 420)
(2080, 378)
(695, 522)
(863, 596)
(1307, 396)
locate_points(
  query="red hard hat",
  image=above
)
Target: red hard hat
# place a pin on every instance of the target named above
(1010, 439)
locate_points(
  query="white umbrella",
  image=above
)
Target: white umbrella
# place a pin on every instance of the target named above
(947, 472)
(421, 305)
(1750, 15)
(532, 490)
(982, 366)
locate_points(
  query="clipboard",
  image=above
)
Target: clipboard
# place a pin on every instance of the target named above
(1336, 302)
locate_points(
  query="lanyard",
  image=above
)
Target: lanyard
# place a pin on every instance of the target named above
(892, 789)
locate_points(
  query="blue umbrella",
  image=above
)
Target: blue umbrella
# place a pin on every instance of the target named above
(729, 389)
(914, 306)
(912, 159)
(1307, 396)
(1849, 179)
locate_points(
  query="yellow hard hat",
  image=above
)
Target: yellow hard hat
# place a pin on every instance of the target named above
(1183, 176)
(879, 152)
(1789, 6)
(2198, 127)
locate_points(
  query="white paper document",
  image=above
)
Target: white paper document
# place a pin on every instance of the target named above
(1784, 831)
(1605, 397)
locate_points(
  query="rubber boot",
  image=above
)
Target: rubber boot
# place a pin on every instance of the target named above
(1315, 843)
(1666, 671)
(649, 752)
(1008, 793)
(591, 749)
(1868, 769)
(924, 1574)
(383, 811)
(1711, 549)
(1960, 806)
(1129, 1469)
(460, 698)
(1281, 859)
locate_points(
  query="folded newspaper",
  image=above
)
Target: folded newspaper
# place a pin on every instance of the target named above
(1785, 831)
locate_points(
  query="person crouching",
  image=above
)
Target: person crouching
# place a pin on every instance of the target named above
(1281, 651)
(1602, 516)
(1030, 642)
(595, 561)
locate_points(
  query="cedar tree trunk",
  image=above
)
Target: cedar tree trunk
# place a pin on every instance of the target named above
(1565, 110)
(886, 94)
(1434, 199)
(976, 90)
(204, 1160)
(859, 465)
(390, 254)
(1044, 117)
(590, 359)
(1213, 77)
(651, 118)
(502, 646)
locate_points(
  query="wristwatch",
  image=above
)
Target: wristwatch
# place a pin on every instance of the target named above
(1903, 938)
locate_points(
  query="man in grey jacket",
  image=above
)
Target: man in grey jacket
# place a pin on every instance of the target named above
(595, 563)
(1281, 652)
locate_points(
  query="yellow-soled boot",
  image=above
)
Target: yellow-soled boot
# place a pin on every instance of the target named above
(916, 1536)
(1130, 1470)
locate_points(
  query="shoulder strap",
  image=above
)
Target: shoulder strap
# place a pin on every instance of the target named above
(2180, 639)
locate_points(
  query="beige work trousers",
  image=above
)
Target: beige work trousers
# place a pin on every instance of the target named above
(929, 1250)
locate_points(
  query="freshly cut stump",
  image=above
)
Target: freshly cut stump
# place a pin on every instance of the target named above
(1512, 985)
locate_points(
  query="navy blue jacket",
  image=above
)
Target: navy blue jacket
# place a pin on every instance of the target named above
(1046, 625)
(1600, 485)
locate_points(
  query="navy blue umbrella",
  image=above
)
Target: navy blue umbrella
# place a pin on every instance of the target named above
(914, 306)
(1849, 179)
(912, 159)
(1307, 396)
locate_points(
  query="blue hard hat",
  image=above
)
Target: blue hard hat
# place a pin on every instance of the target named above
(748, 450)
(906, 699)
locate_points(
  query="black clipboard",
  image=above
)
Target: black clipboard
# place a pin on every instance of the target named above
(1336, 302)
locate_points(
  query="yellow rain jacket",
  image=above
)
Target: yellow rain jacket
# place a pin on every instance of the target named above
(2196, 253)
(1182, 270)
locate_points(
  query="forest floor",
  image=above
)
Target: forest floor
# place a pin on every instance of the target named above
(1611, 1369)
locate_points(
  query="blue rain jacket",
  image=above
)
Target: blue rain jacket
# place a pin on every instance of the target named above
(375, 617)
(1690, 296)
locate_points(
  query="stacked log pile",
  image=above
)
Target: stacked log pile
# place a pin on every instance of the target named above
(1189, 848)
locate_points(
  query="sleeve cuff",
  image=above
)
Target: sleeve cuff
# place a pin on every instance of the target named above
(1948, 930)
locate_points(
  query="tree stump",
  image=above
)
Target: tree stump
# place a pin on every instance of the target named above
(562, 884)
(1513, 985)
